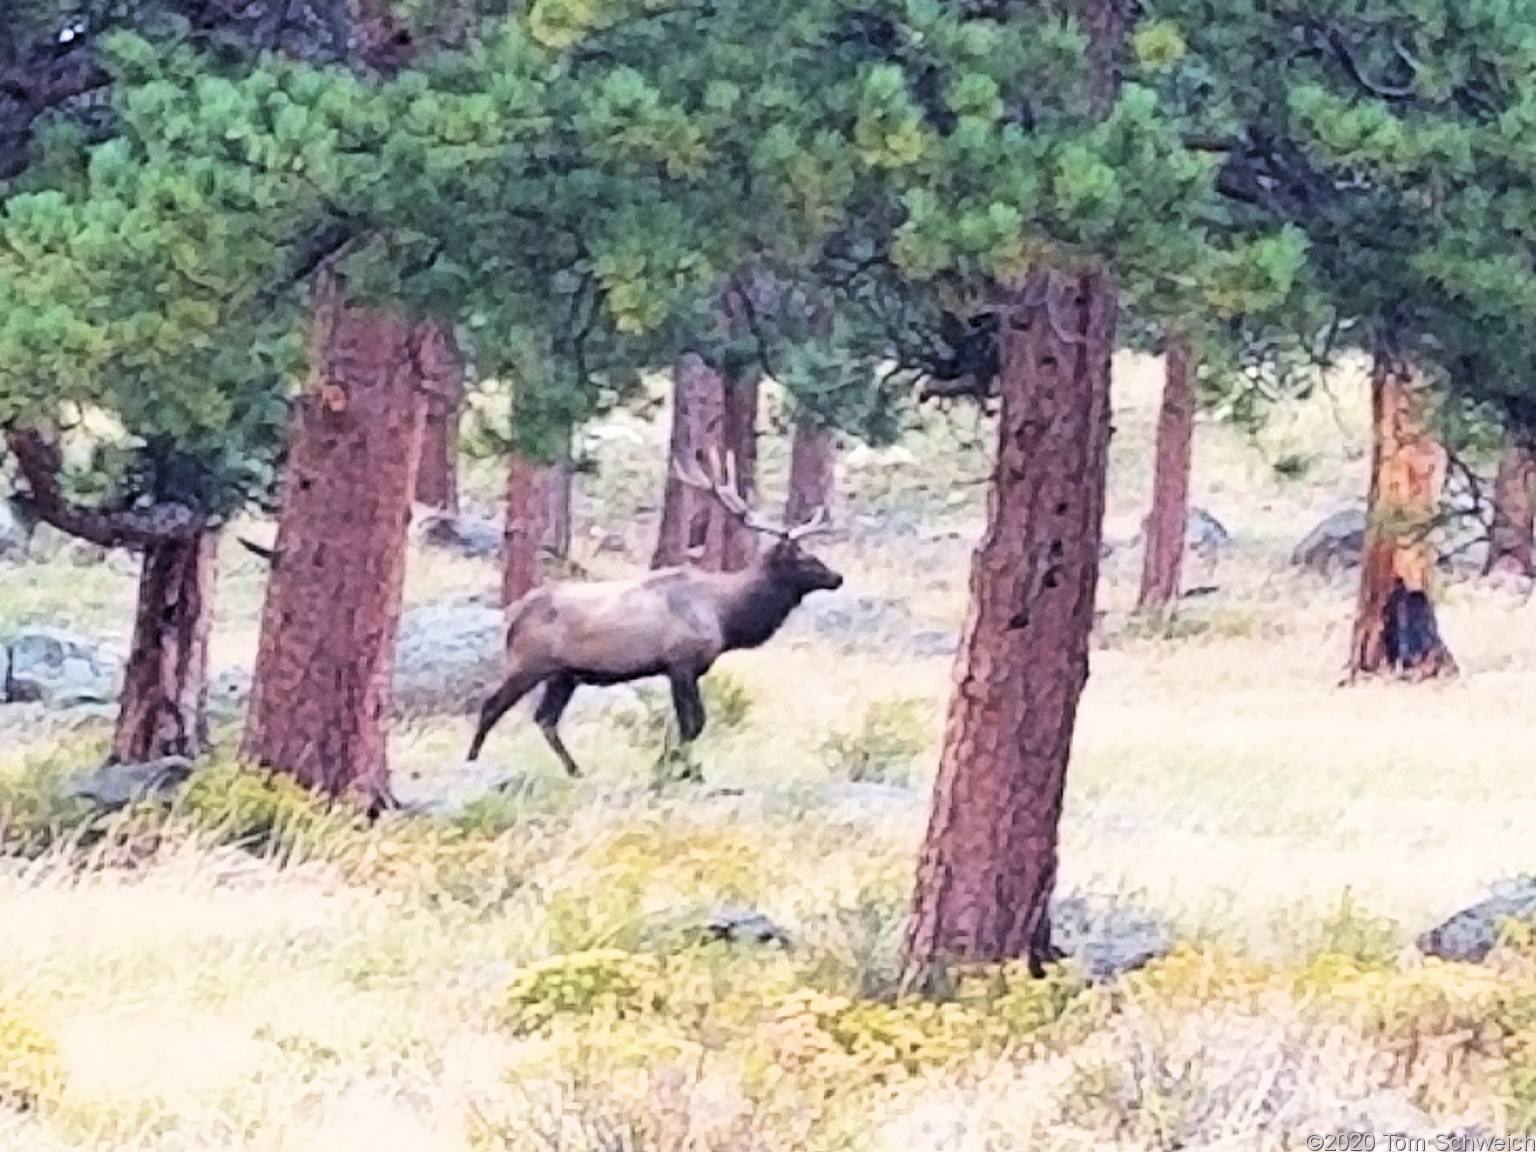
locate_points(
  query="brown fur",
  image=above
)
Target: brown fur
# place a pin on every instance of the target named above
(675, 623)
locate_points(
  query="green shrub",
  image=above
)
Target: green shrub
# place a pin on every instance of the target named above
(891, 736)
(264, 811)
(36, 810)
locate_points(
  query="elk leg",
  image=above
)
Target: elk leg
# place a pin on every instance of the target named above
(512, 689)
(558, 691)
(689, 706)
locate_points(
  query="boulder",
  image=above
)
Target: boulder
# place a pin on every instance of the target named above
(1472, 933)
(114, 786)
(449, 656)
(855, 623)
(15, 532)
(60, 669)
(1204, 533)
(1106, 940)
(470, 536)
(1334, 545)
(933, 642)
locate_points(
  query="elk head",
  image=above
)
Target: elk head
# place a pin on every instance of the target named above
(786, 561)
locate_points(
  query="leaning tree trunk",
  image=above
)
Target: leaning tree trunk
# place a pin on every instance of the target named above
(1162, 560)
(739, 436)
(690, 527)
(812, 472)
(163, 708)
(1395, 628)
(437, 480)
(1510, 545)
(988, 865)
(523, 526)
(321, 696)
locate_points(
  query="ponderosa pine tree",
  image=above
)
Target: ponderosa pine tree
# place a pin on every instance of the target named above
(812, 472)
(1512, 534)
(181, 336)
(437, 478)
(1399, 142)
(1166, 525)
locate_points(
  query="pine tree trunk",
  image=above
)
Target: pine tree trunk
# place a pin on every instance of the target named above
(437, 480)
(1395, 628)
(163, 709)
(1162, 560)
(321, 697)
(1514, 515)
(523, 527)
(690, 528)
(812, 472)
(558, 484)
(739, 436)
(988, 864)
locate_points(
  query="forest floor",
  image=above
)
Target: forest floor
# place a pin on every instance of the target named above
(372, 988)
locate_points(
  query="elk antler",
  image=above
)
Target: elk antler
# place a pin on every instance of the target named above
(817, 523)
(722, 482)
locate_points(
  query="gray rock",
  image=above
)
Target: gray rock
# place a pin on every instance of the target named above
(612, 543)
(1472, 933)
(856, 623)
(1106, 940)
(735, 924)
(60, 669)
(115, 786)
(468, 535)
(15, 532)
(1203, 533)
(934, 642)
(1333, 545)
(449, 656)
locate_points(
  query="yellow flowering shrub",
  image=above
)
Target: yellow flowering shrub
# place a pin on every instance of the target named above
(602, 981)
(31, 1073)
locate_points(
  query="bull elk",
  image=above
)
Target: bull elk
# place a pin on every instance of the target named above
(674, 623)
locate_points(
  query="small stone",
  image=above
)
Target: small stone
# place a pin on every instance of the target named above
(1472, 933)
(733, 923)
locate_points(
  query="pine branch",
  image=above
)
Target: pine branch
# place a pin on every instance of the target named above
(125, 528)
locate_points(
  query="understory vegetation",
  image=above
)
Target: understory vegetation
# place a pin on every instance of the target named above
(533, 966)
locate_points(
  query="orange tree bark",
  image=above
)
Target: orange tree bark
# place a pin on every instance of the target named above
(738, 546)
(988, 864)
(523, 526)
(1514, 515)
(321, 697)
(812, 471)
(163, 707)
(690, 529)
(437, 480)
(1162, 560)
(1394, 627)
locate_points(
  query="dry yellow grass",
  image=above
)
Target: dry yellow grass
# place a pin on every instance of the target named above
(213, 1001)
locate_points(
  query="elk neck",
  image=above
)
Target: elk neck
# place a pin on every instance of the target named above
(753, 606)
